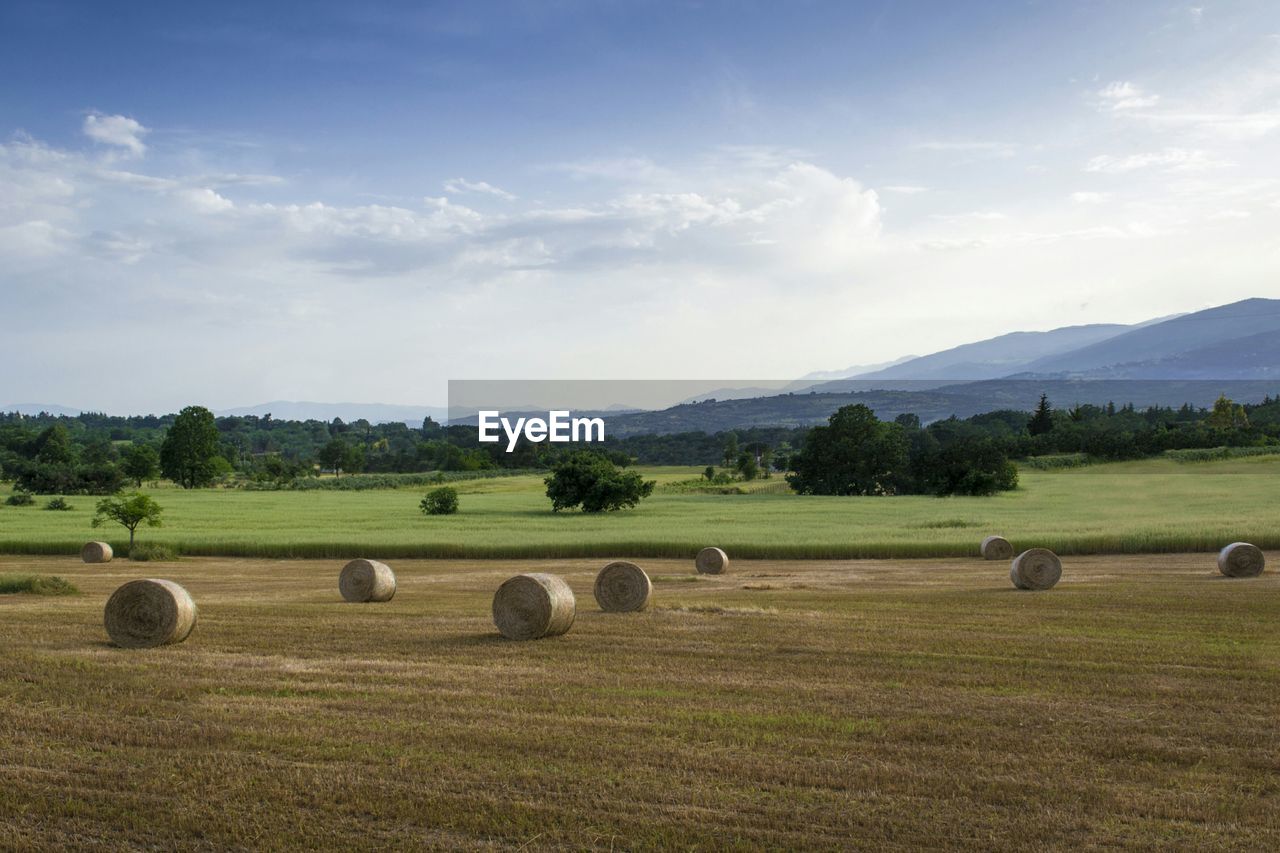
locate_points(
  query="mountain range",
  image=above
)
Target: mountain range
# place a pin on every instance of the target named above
(1186, 358)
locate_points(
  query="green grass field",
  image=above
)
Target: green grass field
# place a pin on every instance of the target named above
(902, 705)
(1147, 506)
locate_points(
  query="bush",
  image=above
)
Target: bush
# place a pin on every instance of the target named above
(36, 585)
(58, 505)
(1055, 461)
(1210, 454)
(152, 553)
(19, 499)
(441, 501)
(590, 480)
(364, 482)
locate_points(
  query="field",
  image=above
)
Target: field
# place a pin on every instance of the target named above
(837, 704)
(1135, 507)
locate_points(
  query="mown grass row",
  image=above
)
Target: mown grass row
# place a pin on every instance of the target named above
(1154, 543)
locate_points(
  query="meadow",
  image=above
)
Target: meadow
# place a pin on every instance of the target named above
(1156, 505)
(788, 704)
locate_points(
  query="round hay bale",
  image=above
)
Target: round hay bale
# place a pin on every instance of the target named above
(996, 548)
(148, 613)
(531, 606)
(622, 587)
(96, 552)
(1035, 568)
(367, 580)
(1241, 560)
(711, 561)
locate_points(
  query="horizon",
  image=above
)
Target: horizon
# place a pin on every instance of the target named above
(383, 199)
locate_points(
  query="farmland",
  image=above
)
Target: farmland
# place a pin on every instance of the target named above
(825, 704)
(1156, 505)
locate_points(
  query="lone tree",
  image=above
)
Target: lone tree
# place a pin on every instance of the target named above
(140, 462)
(189, 453)
(1042, 421)
(590, 480)
(856, 453)
(129, 511)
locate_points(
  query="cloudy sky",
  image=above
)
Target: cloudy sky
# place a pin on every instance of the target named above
(358, 201)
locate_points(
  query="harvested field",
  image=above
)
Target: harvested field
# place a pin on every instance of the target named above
(886, 704)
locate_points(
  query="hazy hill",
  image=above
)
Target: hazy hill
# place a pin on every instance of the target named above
(1231, 338)
(999, 356)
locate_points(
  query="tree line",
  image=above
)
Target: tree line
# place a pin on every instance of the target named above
(100, 454)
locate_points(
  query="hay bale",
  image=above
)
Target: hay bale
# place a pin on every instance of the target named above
(148, 613)
(367, 580)
(1241, 560)
(622, 587)
(711, 561)
(1035, 568)
(996, 548)
(96, 552)
(531, 606)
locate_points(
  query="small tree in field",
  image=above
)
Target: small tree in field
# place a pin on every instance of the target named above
(129, 511)
(441, 501)
(589, 479)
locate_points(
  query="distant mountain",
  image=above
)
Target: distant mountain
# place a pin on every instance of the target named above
(1233, 341)
(38, 408)
(962, 399)
(854, 370)
(999, 356)
(375, 413)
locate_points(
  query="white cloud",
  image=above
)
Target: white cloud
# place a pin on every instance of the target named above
(116, 130)
(1122, 96)
(459, 186)
(905, 189)
(205, 200)
(1177, 159)
(1089, 197)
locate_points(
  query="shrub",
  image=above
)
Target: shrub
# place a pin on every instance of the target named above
(58, 505)
(153, 553)
(20, 499)
(36, 585)
(441, 501)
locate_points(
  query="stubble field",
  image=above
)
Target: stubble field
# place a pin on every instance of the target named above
(835, 704)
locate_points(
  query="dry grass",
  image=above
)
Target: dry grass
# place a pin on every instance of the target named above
(878, 704)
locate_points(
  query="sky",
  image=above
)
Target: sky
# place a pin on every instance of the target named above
(234, 203)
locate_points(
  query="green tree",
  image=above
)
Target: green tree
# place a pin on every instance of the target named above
(1042, 421)
(1226, 415)
(338, 456)
(969, 465)
(747, 466)
(140, 462)
(190, 448)
(855, 454)
(588, 479)
(129, 511)
(730, 458)
(709, 473)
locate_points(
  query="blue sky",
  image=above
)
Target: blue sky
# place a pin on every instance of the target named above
(246, 202)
